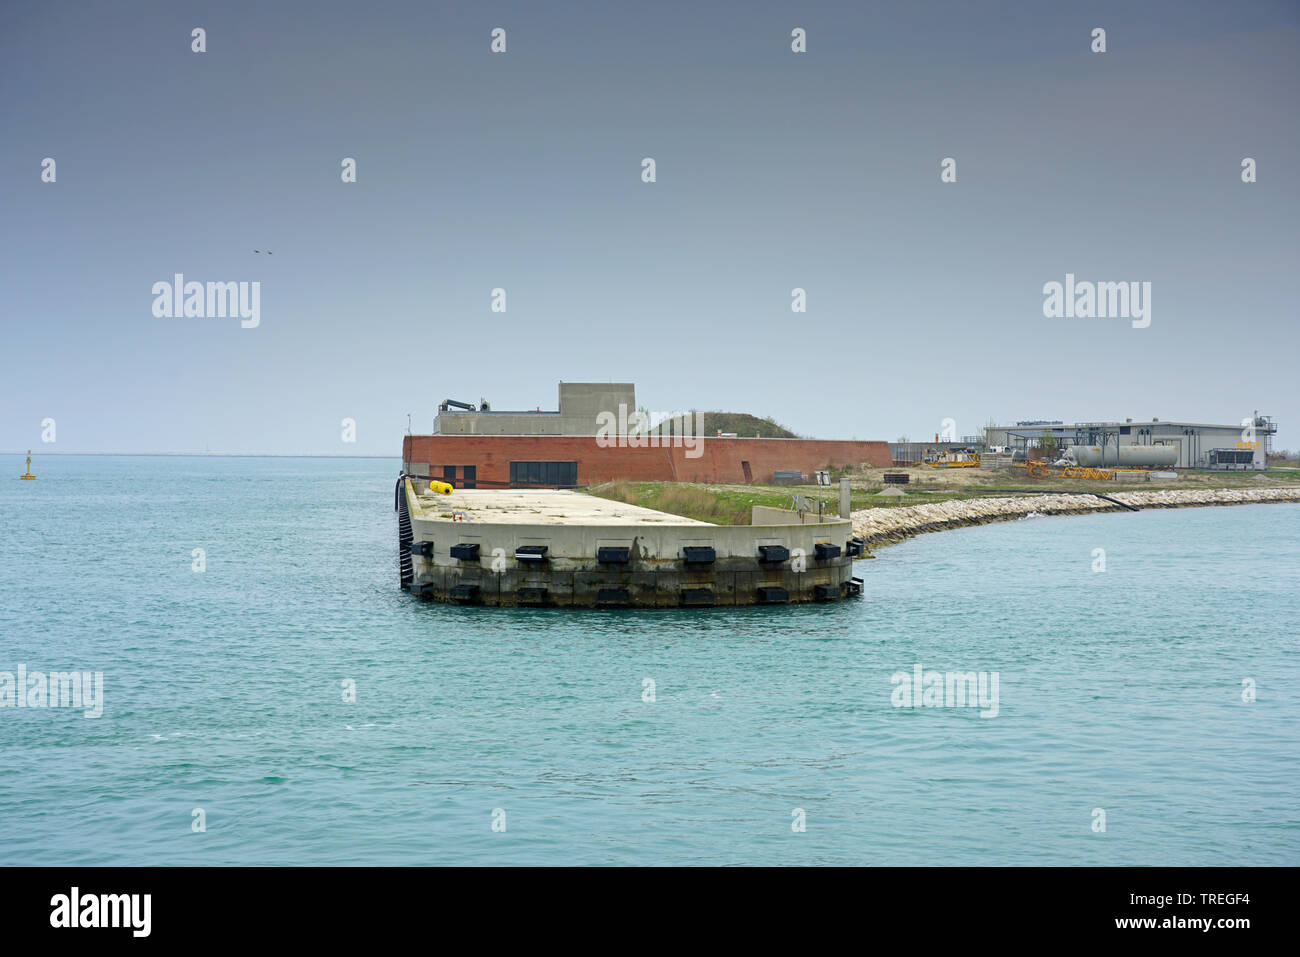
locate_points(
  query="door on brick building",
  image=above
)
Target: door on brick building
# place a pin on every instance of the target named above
(471, 476)
(749, 476)
(449, 474)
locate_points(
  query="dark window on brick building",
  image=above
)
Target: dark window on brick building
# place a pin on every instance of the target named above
(544, 473)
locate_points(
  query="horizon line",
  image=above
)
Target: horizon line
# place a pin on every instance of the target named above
(250, 455)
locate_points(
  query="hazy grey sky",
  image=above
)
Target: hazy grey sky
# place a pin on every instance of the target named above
(522, 170)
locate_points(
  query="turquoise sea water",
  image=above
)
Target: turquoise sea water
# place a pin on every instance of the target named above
(1119, 690)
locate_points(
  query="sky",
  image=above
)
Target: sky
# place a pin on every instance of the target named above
(522, 171)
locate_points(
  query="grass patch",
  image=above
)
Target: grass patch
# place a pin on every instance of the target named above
(731, 504)
(688, 500)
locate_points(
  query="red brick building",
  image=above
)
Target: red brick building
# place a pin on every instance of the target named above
(598, 434)
(497, 461)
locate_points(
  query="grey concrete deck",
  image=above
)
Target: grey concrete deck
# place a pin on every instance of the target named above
(540, 507)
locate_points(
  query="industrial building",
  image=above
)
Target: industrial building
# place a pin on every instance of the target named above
(595, 436)
(1148, 443)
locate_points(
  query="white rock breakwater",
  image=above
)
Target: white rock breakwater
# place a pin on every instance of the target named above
(880, 526)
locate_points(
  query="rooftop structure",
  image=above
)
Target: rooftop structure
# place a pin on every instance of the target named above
(580, 408)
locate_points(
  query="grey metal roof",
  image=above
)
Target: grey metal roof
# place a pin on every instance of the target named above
(1085, 426)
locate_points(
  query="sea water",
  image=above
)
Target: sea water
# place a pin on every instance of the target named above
(270, 695)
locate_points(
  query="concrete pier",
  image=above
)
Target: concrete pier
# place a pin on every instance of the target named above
(566, 549)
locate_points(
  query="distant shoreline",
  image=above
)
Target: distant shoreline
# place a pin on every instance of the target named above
(208, 455)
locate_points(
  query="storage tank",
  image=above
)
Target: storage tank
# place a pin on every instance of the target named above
(1130, 456)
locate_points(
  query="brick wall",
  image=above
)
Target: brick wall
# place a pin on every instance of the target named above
(720, 460)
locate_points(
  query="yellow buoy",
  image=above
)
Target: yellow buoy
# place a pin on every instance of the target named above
(28, 474)
(442, 488)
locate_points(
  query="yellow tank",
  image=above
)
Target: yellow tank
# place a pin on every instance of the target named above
(441, 488)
